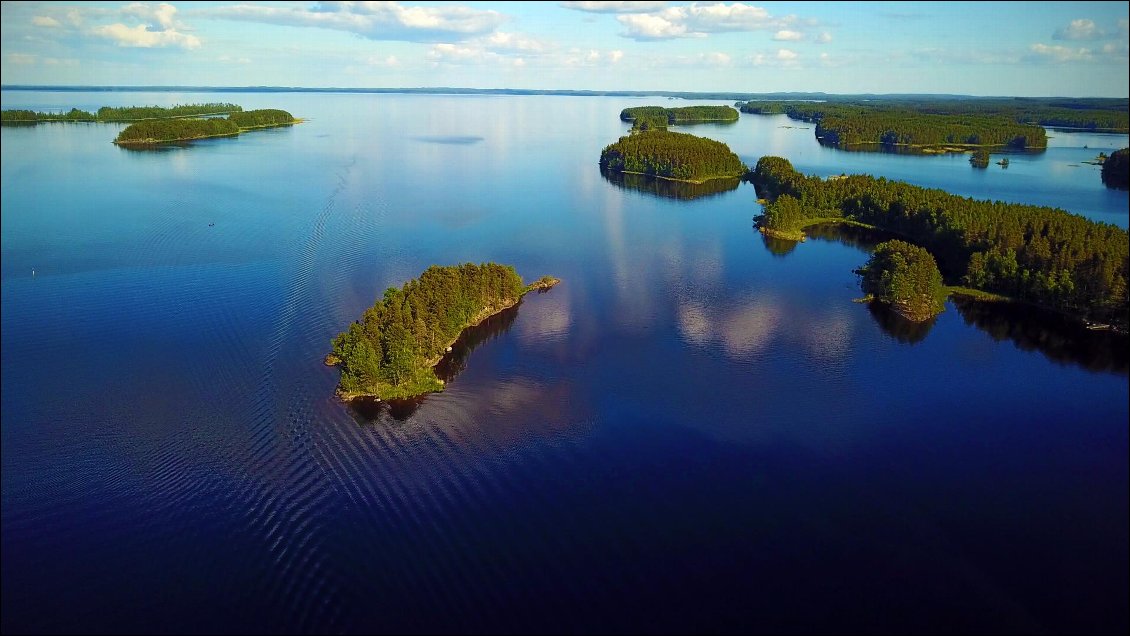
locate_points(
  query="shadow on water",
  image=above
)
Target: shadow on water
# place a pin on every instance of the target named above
(897, 327)
(670, 189)
(862, 238)
(776, 246)
(453, 363)
(1060, 338)
(927, 151)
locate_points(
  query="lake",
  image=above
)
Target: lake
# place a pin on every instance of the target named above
(698, 430)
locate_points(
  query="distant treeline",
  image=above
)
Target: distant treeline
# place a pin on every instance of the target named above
(683, 115)
(1040, 254)
(853, 124)
(672, 155)
(120, 114)
(185, 129)
(1108, 114)
(1116, 169)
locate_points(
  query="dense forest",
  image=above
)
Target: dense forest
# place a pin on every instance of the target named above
(390, 352)
(1033, 253)
(184, 129)
(683, 115)
(262, 118)
(852, 124)
(1108, 114)
(120, 114)
(1116, 169)
(672, 155)
(906, 277)
(165, 130)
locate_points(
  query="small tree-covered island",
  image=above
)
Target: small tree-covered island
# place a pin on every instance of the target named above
(671, 155)
(905, 277)
(392, 351)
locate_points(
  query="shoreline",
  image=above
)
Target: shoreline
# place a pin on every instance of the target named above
(155, 142)
(655, 176)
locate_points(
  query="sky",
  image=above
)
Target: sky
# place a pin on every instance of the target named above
(1074, 49)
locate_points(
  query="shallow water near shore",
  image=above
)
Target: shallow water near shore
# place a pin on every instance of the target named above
(697, 430)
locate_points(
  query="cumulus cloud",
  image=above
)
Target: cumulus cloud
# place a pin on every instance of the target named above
(141, 37)
(786, 55)
(698, 20)
(785, 35)
(1081, 29)
(373, 20)
(824, 38)
(614, 7)
(46, 21)
(159, 28)
(1058, 53)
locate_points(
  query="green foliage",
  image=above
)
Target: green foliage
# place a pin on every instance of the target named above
(906, 277)
(29, 116)
(135, 113)
(1044, 255)
(650, 122)
(980, 159)
(1116, 169)
(785, 214)
(165, 130)
(262, 118)
(672, 155)
(684, 115)
(391, 350)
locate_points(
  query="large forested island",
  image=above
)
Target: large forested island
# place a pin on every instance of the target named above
(159, 131)
(111, 114)
(1032, 253)
(392, 351)
(682, 115)
(672, 155)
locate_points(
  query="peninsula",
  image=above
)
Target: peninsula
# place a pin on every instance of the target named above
(392, 351)
(1045, 256)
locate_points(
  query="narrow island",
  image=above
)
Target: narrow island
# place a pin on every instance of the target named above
(392, 351)
(905, 277)
(1116, 169)
(159, 131)
(683, 115)
(117, 114)
(671, 155)
(986, 249)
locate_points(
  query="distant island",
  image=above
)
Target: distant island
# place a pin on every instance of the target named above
(1035, 254)
(682, 115)
(905, 277)
(159, 131)
(1116, 169)
(392, 351)
(671, 155)
(110, 114)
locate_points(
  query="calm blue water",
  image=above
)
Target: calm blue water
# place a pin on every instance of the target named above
(696, 431)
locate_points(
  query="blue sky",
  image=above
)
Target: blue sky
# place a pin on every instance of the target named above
(973, 48)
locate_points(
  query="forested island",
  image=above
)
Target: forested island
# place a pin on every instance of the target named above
(159, 131)
(886, 125)
(905, 277)
(1116, 169)
(392, 351)
(1030, 253)
(658, 116)
(110, 114)
(672, 155)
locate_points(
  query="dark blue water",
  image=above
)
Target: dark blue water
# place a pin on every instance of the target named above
(696, 431)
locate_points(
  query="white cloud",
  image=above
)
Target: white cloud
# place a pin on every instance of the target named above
(373, 20)
(141, 37)
(499, 41)
(1061, 53)
(614, 7)
(1081, 29)
(162, 16)
(824, 38)
(786, 55)
(615, 56)
(698, 20)
(389, 61)
(22, 59)
(785, 35)
(46, 21)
